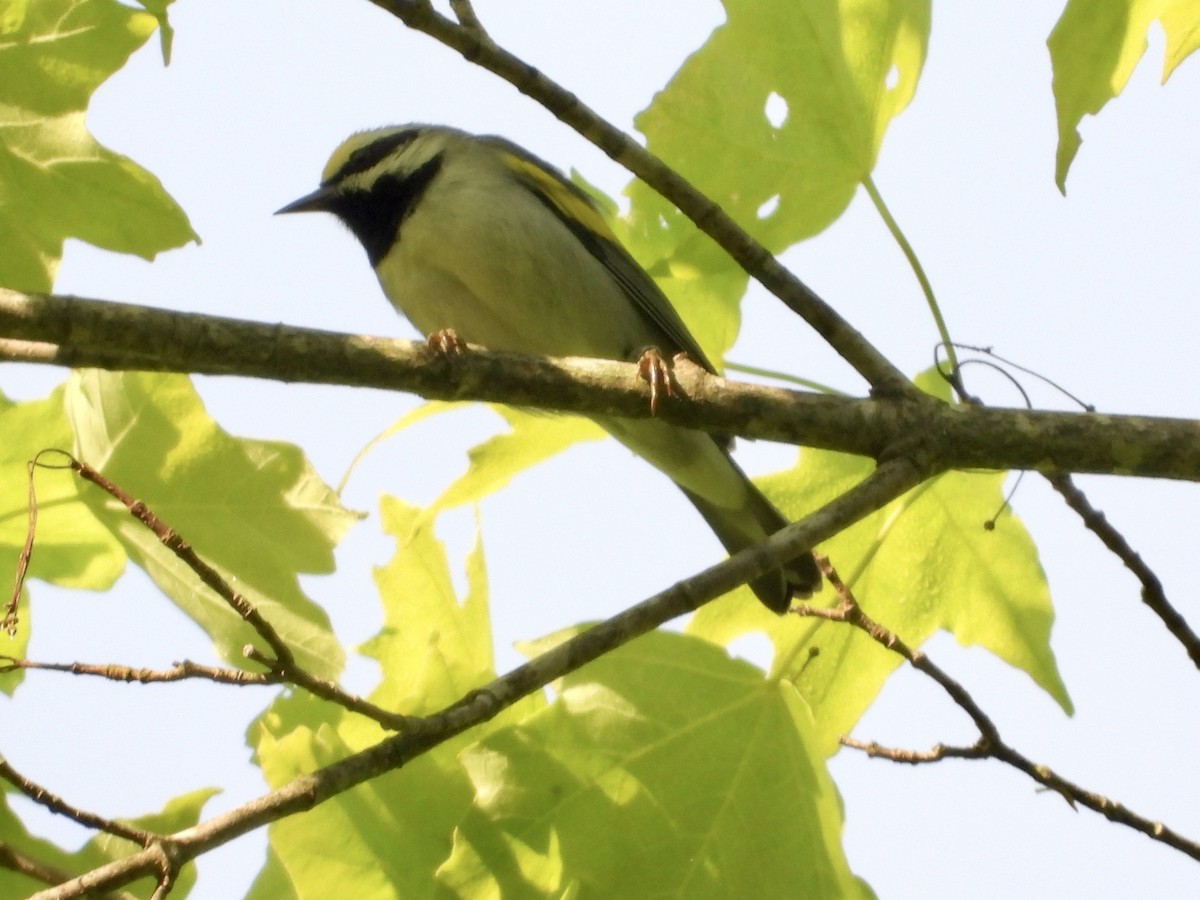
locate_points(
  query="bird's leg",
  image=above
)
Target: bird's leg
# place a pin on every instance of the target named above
(447, 342)
(653, 368)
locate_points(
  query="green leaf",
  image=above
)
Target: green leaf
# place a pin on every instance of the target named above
(387, 837)
(1180, 20)
(833, 74)
(179, 813)
(381, 839)
(842, 68)
(253, 509)
(1094, 48)
(272, 882)
(532, 437)
(55, 180)
(665, 765)
(923, 563)
(432, 650)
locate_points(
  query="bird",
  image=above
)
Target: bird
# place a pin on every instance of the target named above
(476, 239)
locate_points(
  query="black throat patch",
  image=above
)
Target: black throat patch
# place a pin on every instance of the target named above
(375, 215)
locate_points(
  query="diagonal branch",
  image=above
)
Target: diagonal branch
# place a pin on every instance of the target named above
(14, 860)
(57, 804)
(476, 47)
(281, 666)
(885, 484)
(990, 744)
(1153, 594)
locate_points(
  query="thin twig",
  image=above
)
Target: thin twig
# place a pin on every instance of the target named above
(56, 804)
(12, 615)
(327, 690)
(990, 745)
(170, 539)
(14, 860)
(179, 671)
(282, 666)
(1153, 594)
(937, 752)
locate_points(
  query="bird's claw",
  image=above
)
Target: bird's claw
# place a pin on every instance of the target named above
(654, 369)
(447, 342)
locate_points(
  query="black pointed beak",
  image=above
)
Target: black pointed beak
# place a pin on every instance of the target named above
(320, 200)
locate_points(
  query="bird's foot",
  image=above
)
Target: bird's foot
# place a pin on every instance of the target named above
(654, 369)
(447, 342)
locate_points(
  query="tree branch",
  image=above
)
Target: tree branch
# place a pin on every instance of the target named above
(281, 667)
(881, 487)
(940, 436)
(57, 804)
(1153, 594)
(476, 47)
(990, 744)
(180, 671)
(16, 861)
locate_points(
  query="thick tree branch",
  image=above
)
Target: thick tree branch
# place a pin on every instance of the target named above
(72, 331)
(884, 485)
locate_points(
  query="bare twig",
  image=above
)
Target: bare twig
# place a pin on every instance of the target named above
(12, 615)
(22, 863)
(170, 539)
(937, 752)
(327, 690)
(1153, 594)
(179, 671)
(990, 745)
(56, 804)
(282, 665)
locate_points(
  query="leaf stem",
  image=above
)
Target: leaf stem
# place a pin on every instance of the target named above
(783, 376)
(911, 255)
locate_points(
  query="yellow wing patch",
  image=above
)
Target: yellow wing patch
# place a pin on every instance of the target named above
(570, 201)
(576, 211)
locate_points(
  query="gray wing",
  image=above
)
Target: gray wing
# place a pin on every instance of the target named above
(633, 280)
(640, 288)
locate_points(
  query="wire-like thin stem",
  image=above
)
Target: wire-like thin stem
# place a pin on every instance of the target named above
(914, 263)
(785, 377)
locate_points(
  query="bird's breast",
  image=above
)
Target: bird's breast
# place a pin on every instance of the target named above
(504, 272)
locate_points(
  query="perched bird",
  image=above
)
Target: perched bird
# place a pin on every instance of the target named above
(477, 236)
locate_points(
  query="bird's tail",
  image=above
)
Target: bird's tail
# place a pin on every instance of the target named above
(739, 528)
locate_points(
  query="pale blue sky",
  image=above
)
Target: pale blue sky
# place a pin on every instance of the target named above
(1096, 290)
